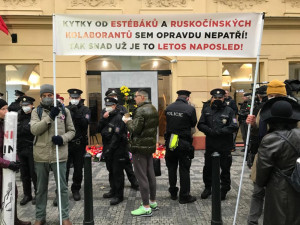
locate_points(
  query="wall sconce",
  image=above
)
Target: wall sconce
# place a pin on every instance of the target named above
(226, 73)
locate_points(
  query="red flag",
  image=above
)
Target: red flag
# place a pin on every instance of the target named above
(3, 26)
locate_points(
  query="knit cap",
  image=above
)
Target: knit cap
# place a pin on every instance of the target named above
(46, 88)
(276, 87)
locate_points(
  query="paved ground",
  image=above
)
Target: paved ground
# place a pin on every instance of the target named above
(170, 212)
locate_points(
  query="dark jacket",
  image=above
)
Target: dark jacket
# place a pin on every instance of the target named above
(25, 137)
(181, 117)
(282, 202)
(232, 104)
(143, 129)
(80, 117)
(114, 136)
(218, 125)
(3, 163)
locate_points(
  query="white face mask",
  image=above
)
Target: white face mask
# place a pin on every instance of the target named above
(16, 98)
(26, 108)
(109, 109)
(74, 101)
(271, 97)
(116, 98)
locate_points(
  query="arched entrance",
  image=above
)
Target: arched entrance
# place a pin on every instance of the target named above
(127, 63)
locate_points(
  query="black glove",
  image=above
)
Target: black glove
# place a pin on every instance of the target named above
(250, 159)
(215, 133)
(54, 112)
(57, 140)
(14, 166)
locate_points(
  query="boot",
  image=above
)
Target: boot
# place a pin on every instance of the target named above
(25, 200)
(206, 193)
(76, 196)
(173, 192)
(187, 199)
(66, 222)
(116, 200)
(109, 194)
(223, 195)
(40, 222)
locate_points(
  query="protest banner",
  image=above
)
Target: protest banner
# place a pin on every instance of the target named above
(208, 35)
(9, 176)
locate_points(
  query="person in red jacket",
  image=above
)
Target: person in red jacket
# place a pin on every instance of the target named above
(14, 166)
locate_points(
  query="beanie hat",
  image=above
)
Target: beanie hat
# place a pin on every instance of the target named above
(276, 87)
(46, 88)
(2, 103)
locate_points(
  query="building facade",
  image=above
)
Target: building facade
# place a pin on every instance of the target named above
(27, 64)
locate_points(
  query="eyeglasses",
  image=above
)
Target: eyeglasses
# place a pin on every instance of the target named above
(137, 96)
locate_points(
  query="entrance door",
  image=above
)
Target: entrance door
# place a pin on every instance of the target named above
(134, 80)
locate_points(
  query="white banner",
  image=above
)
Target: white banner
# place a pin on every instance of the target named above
(9, 176)
(208, 35)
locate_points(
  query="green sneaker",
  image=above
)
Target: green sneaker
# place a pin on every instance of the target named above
(153, 206)
(141, 211)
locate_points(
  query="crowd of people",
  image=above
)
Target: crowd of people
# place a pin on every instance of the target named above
(274, 138)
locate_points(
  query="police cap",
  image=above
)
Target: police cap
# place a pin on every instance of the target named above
(111, 92)
(262, 90)
(110, 101)
(74, 93)
(218, 93)
(247, 94)
(184, 92)
(26, 100)
(19, 93)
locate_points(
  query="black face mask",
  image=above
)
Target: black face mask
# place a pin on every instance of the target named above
(217, 104)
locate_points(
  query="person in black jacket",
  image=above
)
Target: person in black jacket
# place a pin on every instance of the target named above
(181, 118)
(80, 116)
(112, 93)
(15, 106)
(218, 123)
(114, 137)
(25, 149)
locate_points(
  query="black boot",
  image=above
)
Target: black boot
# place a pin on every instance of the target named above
(223, 195)
(206, 193)
(116, 200)
(76, 195)
(25, 200)
(173, 192)
(187, 199)
(109, 194)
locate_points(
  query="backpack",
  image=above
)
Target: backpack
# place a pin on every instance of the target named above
(294, 179)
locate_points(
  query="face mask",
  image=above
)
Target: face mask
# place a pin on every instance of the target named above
(47, 101)
(74, 101)
(109, 109)
(16, 98)
(217, 104)
(26, 108)
(271, 97)
(116, 98)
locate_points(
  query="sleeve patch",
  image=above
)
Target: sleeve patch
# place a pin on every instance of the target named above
(234, 120)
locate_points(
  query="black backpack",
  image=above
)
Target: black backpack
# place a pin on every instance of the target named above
(294, 179)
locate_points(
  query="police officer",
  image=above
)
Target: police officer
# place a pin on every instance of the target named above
(114, 137)
(243, 113)
(218, 123)
(15, 106)
(80, 116)
(25, 149)
(128, 165)
(181, 118)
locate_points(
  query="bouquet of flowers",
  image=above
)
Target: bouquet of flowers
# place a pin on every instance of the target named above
(160, 152)
(128, 98)
(95, 151)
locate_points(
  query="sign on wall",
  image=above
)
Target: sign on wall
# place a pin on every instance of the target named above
(209, 35)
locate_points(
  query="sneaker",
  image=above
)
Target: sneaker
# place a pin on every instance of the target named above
(141, 211)
(153, 206)
(206, 193)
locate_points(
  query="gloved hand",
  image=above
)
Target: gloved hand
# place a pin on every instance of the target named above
(215, 133)
(250, 159)
(54, 112)
(57, 140)
(14, 166)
